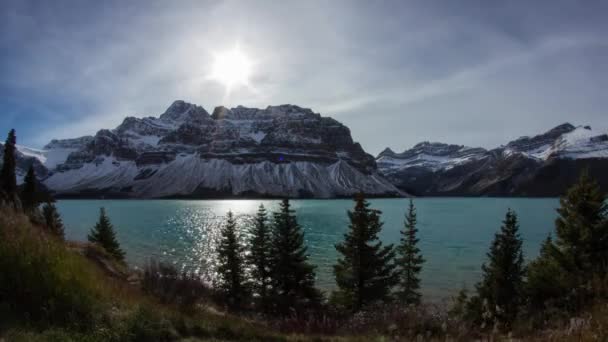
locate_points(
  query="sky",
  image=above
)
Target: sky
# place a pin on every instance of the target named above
(472, 72)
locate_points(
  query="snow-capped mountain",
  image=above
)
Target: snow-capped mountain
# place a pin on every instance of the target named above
(432, 156)
(186, 152)
(564, 141)
(543, 165)
(24, 158)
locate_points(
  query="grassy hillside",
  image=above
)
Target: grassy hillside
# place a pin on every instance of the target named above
(51, 292)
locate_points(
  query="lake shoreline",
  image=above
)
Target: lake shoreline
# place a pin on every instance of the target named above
(454, 232)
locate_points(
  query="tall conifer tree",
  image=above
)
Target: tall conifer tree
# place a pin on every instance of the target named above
(8, 179)
(260, 257)
(293, 277)
(582, 230)
(409, 260)
(562, 273)
(29, 194)
(52, 220)
(365, 272)
(103, 235)
(546, 280)
(231, 264)
(501, 288)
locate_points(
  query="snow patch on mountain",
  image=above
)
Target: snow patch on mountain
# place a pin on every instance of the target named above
(103, 173)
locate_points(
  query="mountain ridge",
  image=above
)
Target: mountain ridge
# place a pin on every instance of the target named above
(291, 151)
(279, 151)
(526, 166)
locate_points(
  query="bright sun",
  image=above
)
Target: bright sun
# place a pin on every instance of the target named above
(231, 68)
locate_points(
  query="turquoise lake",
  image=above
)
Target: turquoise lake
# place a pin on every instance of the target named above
(455, 233)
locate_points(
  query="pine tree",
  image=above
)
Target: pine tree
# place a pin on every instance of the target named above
(293, 277)
(546, 280)
(29, 198)
(8, 178)
(259, 259)
(52, 220)
(561, 275)
(103, 235)
(410, 260)
(231, 264)
(501, 288)
(365, 272)
(581, 229)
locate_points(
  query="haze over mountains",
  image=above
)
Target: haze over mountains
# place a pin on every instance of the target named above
(291, 151)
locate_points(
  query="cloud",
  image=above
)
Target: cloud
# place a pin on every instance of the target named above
(401, 68)
(466, 78)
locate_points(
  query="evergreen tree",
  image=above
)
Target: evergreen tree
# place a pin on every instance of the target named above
(546, 280)
(52, 220)
(365, 272)
(410, 260)
(231, 264)
(8, 178)
(103, 235)
(260, 258)
(561, 275)
(501, 287)
(293, 277)
(581, 229)
(29, 198)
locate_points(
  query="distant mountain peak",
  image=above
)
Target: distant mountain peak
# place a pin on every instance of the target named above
(180, 110)
(220, 112)
(565, 125)
(387, 152)
(561, 129)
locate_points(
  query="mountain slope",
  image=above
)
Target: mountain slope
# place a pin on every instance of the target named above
(543, 165)
(186, 152)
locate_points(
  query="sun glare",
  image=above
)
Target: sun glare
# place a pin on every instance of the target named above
(231, 68)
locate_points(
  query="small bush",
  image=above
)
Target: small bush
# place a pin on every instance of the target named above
(164, 282)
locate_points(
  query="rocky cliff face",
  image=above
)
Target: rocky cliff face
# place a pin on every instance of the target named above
(543, 165)
(186, 152)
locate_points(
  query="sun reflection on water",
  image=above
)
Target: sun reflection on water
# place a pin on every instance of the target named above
(190, 237)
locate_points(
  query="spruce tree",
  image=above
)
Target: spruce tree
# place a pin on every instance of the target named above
(231, 268)
(260, 258)
(8, 178)
(365, 272)
(581, 229)
(561, 275)
(409, 260)
(28, 193)
(103, 235)
(52, 220)
(546, 280)
(293, 277)
(501, 287)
